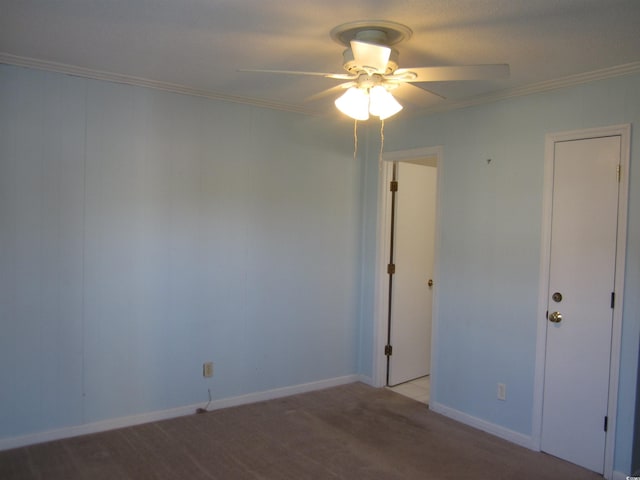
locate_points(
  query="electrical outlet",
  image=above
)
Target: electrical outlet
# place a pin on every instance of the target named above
(502, 391)
(207, 369)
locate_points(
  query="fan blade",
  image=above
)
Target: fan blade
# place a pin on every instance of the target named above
(370, 56)
(446, 74)
(416, 95)
(329, 91)
(337, 76)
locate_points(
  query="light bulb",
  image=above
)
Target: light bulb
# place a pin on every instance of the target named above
(382, 104)
(354, 103)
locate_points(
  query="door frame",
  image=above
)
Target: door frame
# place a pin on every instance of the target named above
(434, 154)
(624, 131)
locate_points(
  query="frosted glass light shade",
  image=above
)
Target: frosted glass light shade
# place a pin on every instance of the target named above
(354, 103)
(382, 104)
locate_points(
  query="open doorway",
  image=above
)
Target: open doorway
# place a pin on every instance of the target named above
(406, 268)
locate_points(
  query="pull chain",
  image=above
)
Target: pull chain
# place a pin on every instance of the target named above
(355, 139)
(381, 142)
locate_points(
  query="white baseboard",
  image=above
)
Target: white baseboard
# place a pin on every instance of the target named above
(497, 430)
(113, 423)
(282, 392)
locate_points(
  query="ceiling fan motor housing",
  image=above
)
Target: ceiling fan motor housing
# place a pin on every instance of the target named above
(376, 32)
(352, 67)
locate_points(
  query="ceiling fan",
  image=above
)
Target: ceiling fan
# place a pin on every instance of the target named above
(373, 71)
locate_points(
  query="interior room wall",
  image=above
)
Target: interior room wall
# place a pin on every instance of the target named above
(143, 233)
(490, 228)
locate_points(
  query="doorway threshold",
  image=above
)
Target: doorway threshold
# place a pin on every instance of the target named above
(417, 389)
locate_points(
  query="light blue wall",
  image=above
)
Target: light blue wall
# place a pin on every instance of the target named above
(490, 245)
(143, 233)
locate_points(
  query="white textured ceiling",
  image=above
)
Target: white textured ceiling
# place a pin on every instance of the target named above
(201, 44)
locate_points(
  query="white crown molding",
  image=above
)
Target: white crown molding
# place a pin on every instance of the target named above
(27, 62)
(568, 81)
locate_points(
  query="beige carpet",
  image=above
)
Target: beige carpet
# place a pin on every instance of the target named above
(347, 432)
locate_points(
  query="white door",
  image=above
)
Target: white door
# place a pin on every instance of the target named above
(411, 297)
(580, 314)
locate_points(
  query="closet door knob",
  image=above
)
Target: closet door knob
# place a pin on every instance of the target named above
(555, 317)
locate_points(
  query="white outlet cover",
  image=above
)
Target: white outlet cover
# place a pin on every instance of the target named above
(502, 391)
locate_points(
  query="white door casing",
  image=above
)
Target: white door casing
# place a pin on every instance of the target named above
(582, 258)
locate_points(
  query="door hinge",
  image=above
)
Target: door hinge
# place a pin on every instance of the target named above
(393, 185)
(388, 350)
(613, 299)
(606, 422)
(618, 172)
(391, 268)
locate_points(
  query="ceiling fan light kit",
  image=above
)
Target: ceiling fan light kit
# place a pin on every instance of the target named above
(358, 103)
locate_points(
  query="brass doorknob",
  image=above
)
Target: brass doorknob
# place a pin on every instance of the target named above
(555, 317)
(430, 282)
